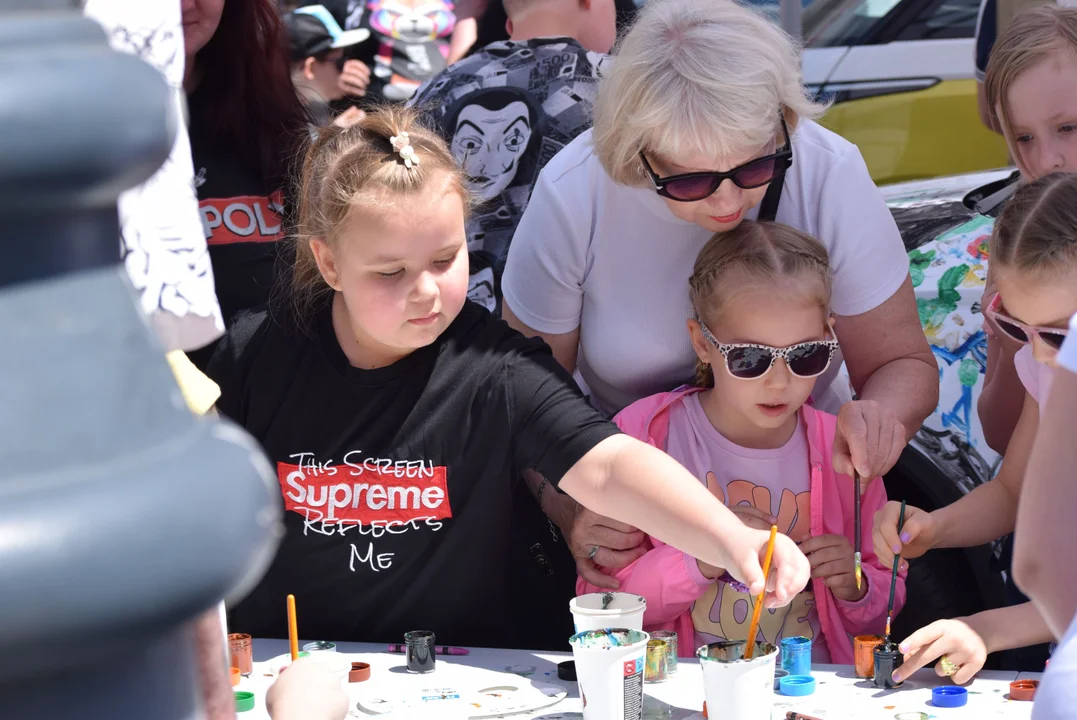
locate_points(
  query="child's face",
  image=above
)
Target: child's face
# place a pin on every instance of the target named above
(1040, 303)
(1042, 105)
(402, 269)
(764, 317)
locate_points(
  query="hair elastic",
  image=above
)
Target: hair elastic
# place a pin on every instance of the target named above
(402, 145)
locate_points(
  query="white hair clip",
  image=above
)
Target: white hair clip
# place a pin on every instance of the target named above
(402, 145)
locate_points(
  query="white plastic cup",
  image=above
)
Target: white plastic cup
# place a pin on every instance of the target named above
(624, 610)
(609, 670)
(743, 689)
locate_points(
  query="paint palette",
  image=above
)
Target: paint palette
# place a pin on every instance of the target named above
(512, 698)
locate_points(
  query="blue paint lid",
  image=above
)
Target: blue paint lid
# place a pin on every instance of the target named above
(797, 685)
(949, 696)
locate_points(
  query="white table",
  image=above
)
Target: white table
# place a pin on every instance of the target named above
(838, 696)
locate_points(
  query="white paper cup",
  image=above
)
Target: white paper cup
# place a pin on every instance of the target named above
(609, 670)
(624, 610)
(743, 689)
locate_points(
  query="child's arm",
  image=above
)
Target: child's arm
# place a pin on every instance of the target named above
(967, 642)
(640, 485)
(985, 514)
(666, 577)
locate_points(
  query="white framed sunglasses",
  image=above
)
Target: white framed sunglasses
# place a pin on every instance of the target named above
(751, 361)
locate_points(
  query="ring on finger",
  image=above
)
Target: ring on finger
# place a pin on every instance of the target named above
(594, 551)
(949, 667)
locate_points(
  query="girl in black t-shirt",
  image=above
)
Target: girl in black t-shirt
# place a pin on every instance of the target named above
(398, 416)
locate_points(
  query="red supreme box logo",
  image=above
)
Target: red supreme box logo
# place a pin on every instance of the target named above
(379, 494)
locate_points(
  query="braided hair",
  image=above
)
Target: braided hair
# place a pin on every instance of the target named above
(760, 253)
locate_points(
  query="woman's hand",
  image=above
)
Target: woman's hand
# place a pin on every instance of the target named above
(307, 690)
(956, 639)
(869, 440)
(618, 545)
(916, 538)
(831, 560)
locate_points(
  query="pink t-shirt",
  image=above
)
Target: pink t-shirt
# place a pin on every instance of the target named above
(776, 481)
(1035, 376)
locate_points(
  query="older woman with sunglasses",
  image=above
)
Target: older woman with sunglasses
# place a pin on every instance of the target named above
(702, 121)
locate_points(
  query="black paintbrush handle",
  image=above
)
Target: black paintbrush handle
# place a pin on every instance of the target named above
(894, 571)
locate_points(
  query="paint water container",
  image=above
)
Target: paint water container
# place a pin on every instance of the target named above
(597, 611)
(609, 670)
(743, 689)
(656, 665)
(671, 648)
(796, 655)
(887, 659)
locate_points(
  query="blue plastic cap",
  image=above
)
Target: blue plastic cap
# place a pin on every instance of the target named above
(949, 696)
(797, 685)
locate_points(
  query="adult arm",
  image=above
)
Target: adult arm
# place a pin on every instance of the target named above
(565, 346)
(876, 320)
(1048, 500)
(896, 379)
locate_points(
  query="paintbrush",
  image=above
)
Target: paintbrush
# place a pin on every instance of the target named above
(856, 540)
(893, 579)
(293, 633)
(754, 626)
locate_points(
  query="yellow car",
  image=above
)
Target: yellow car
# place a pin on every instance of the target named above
(901, 75)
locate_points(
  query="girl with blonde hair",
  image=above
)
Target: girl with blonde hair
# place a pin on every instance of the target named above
(762, 332)
(702, 121)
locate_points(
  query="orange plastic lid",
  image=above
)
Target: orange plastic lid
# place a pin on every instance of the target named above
(235, 676)
(360, 672)
(1023, 689)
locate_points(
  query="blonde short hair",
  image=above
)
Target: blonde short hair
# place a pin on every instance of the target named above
(1031, 39)
(697, 77)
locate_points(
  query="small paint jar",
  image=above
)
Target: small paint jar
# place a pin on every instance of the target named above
(239, 646)
(320, 646)
(796, 655)
(670, 638)
(655, 669)
(864, 654)
(419, 649)
(887, 659)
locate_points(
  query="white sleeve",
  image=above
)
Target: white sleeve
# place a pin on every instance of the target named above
(867, 256)
(547, 260)
(1067, 356)
(163, 242)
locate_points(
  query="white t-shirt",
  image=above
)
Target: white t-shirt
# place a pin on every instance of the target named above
(614, 261)
(1056, 696)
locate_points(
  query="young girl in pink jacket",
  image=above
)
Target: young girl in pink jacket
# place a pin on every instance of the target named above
(763, 333)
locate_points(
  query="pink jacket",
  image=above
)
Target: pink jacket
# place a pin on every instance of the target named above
(671, 580)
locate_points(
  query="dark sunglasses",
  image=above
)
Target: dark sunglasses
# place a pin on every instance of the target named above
(339, 62)
(692, 187)
(748, 361)
(1017, 330)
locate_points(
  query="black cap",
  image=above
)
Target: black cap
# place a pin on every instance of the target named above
(312, 31)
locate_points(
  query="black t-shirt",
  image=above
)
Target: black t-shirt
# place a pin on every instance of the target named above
(241, 215)
(399, 483)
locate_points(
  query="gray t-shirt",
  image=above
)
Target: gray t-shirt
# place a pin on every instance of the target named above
(506, 111)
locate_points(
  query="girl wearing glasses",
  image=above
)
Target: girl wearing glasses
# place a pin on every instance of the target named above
(762, 332)
(1034, 254)
(701, 122)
